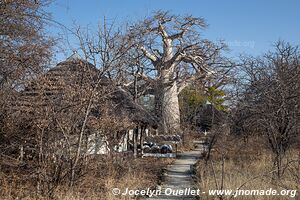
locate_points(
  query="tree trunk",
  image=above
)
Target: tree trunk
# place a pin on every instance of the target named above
(170, 115)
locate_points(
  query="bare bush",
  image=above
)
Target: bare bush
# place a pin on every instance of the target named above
(269, 102)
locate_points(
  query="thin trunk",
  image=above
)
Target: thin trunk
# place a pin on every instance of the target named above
(40, 160)
(213, 116)
(135, 96)
(74, 164)
(223, 172)
(158, 100)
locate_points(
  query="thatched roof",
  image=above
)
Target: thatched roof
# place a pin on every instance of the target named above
(125, 106)
(74, 71)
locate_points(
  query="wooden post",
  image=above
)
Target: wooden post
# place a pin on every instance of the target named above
(21, 153)
(135, 134)
(142, 138)
(127, 145)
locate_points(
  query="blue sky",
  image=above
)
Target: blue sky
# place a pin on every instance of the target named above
(248, 26)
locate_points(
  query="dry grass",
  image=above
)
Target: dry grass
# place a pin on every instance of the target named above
(247, 166)
(103, 175)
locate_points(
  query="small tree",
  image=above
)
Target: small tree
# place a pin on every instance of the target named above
(24, 48)
(25, 52)
(191, 100)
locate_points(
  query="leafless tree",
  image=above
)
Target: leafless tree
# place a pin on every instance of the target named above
(269, 102)
(171, 55)
(25, 52)
(24, 48)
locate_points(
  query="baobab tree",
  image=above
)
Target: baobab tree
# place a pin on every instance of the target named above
(170, 55)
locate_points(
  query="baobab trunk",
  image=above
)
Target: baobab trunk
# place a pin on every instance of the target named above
(170, 109)
(169, 105)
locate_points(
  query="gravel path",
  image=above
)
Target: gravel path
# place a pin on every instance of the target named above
(178, 177)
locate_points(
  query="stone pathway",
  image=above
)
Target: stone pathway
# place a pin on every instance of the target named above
(179, 176)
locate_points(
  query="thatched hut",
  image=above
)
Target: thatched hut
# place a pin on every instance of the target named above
(63, 94)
